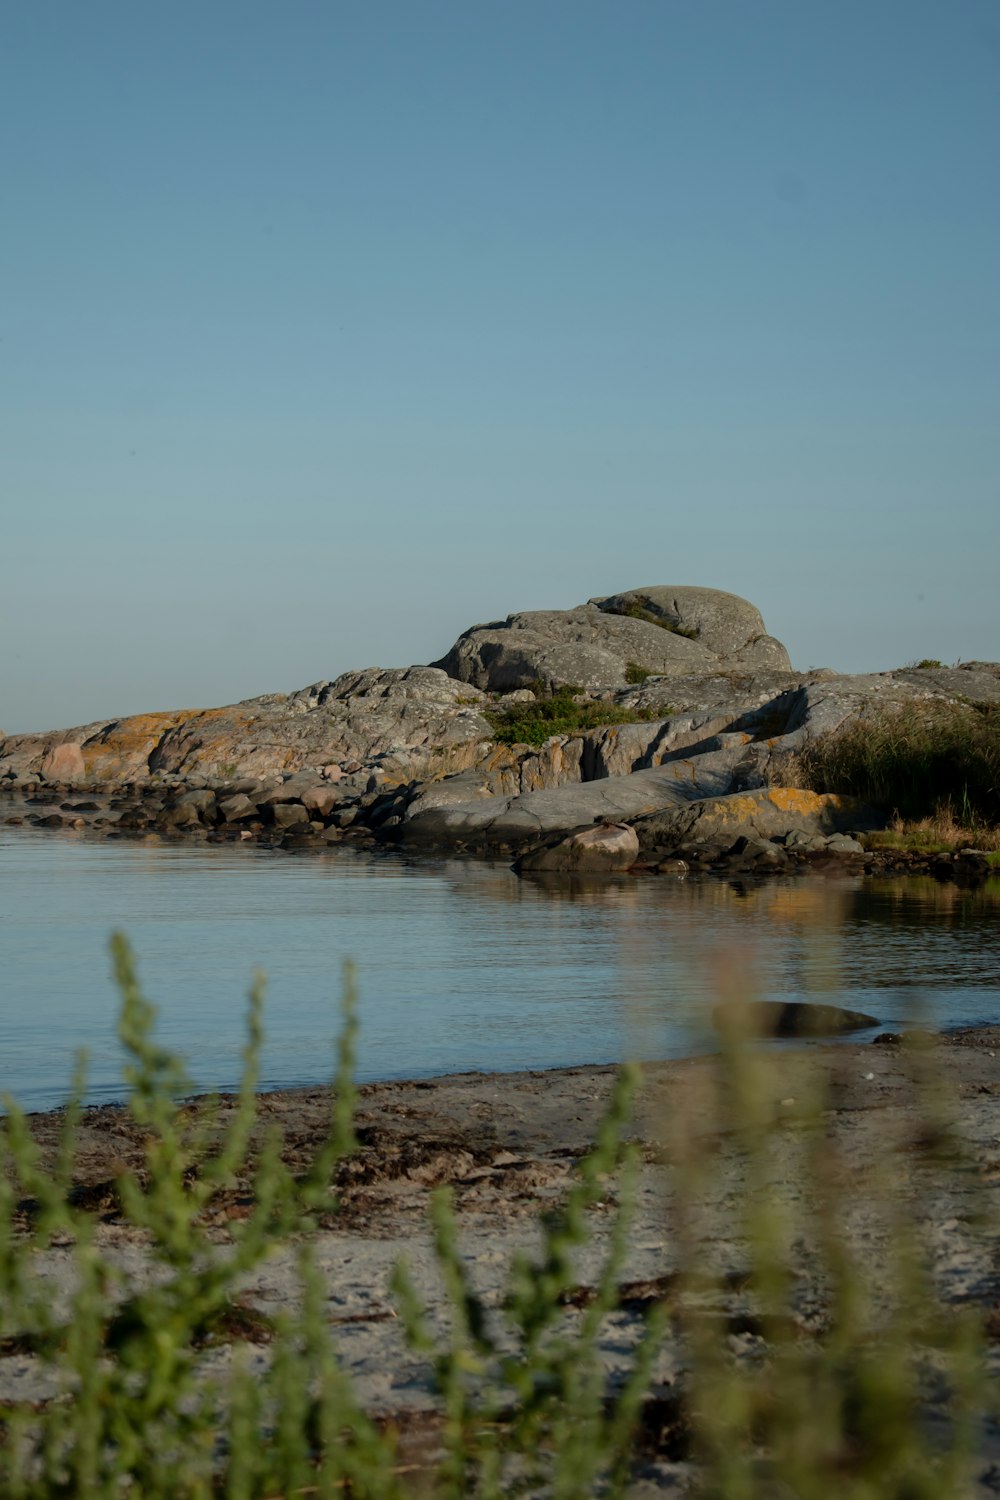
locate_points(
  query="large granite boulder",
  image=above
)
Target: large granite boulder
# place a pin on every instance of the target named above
(580, 647)
(725, 624)
(599, 645)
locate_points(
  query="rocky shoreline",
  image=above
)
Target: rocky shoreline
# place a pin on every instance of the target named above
(667, 712)
(290, 817)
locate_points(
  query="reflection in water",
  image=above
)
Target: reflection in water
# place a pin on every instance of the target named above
(463, 965)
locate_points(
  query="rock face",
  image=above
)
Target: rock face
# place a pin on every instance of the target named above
(671, 632)
(413, 721)
(667, 808)
(725, 624)
(410, 755)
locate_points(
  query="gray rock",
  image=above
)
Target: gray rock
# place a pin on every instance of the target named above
(582, 647)
(235, 809)
(842, 843)
(321, 798)
(284, 814)
(805, 841)
(293, 788)
(975, 681)
(200, 798)
(606, 849)
(524, 819)
(184, 815)
(727, 625)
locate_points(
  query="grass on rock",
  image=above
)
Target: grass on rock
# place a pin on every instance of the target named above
(561, 712)
(637, 608)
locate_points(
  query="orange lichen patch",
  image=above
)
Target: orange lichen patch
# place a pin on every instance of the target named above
(128, 743)
(139, 728)
(793, 800)
(501, 758)
(773, 809)
(230, 715)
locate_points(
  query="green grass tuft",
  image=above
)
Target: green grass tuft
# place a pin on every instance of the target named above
(558, 713)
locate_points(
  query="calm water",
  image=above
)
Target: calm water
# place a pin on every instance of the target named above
(461, 965)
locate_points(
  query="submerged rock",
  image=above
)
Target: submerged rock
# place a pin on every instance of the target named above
(787, 1018)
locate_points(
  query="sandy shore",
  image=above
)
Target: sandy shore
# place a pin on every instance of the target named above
(507, 1144)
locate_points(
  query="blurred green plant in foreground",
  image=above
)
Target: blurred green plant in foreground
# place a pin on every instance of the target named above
(818, 1366)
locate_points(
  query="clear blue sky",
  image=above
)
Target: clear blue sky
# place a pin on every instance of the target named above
(330, 329)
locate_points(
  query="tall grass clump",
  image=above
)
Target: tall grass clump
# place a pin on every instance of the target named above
(787, 1350)
(926, 760)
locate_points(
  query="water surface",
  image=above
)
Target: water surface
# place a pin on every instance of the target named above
(462, 965)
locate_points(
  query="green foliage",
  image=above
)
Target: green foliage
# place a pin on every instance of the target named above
(926, 663)
(140, 1408)
(139, 1413)
(634, 674)
(919, 761)
(532, 723)
(832, 1402)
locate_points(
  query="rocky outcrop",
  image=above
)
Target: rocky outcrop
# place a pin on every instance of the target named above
(599, 645)
(725, 624)
(716, 717)
(413, 721)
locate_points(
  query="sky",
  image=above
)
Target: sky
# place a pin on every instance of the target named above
(328, 330)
